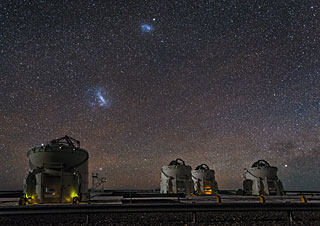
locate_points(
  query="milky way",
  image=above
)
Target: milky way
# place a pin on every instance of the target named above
(141, 83)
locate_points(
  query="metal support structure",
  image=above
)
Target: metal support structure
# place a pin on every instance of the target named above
(98, 182)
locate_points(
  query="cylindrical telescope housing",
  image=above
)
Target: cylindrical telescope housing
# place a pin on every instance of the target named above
(204, 180)
(58, 172)
(176, 178)
(262, 178)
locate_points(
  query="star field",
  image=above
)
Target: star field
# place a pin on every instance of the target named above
(141, 83)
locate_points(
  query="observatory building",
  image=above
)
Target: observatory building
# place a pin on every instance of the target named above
(262, 179)
(204, 180)
(176, 178)
(58, 173)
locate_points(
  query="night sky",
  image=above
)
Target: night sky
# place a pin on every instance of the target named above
(141, 83)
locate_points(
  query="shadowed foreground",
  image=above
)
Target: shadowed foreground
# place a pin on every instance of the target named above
(162, 215)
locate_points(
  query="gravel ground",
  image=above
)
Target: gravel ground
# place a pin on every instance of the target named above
(170, 218)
